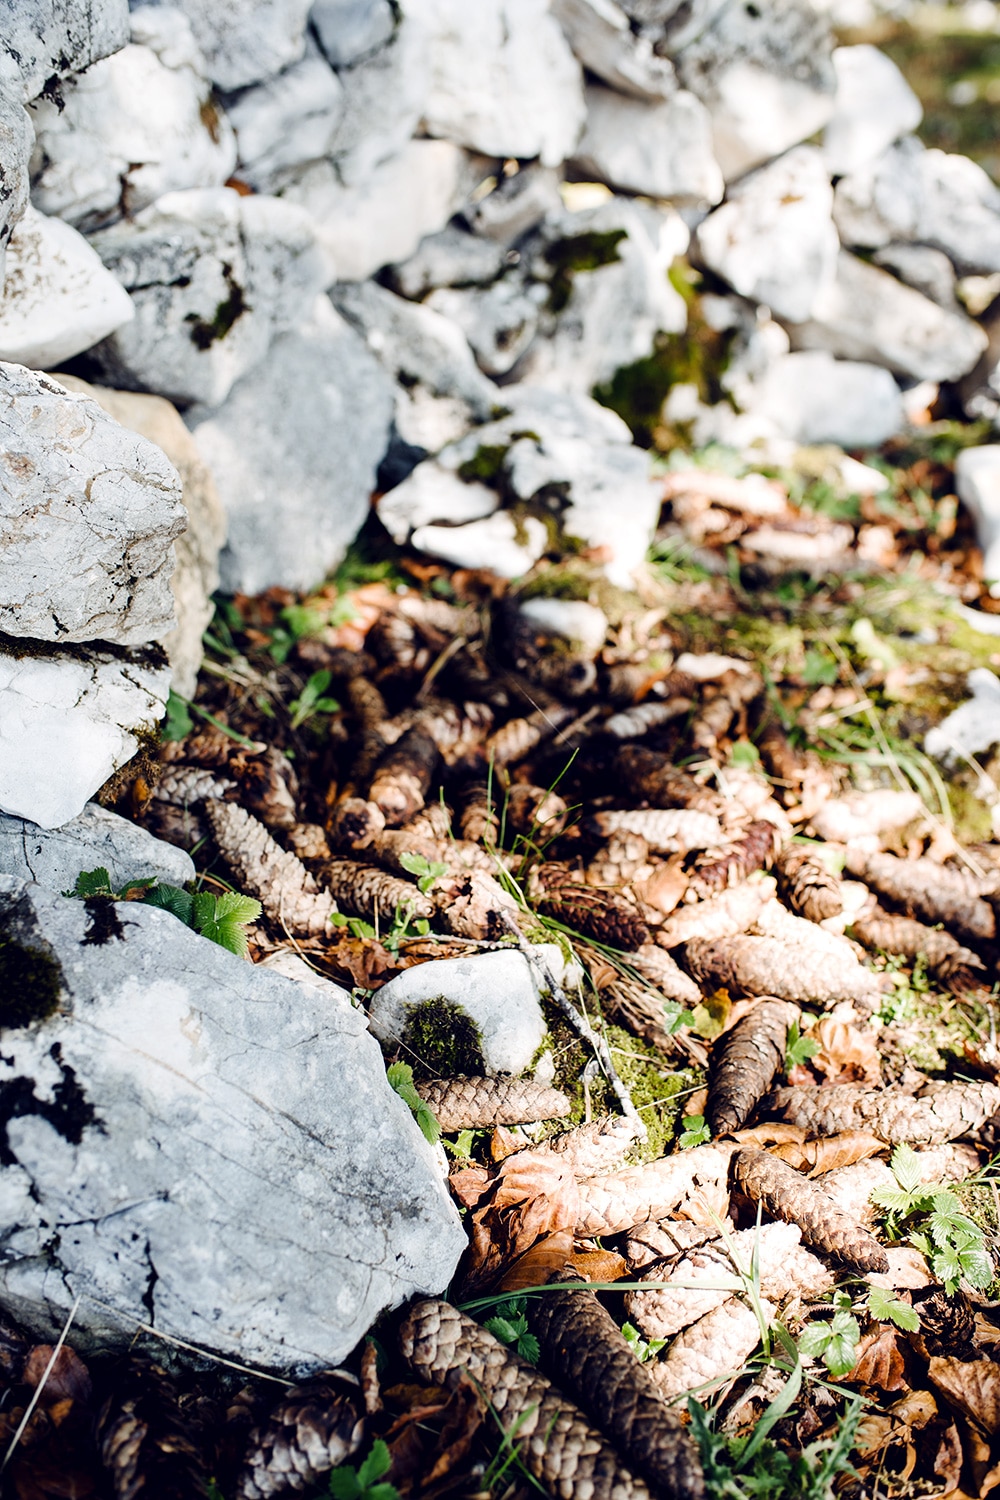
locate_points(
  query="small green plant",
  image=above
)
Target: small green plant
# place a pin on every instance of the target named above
(695, 1132)
(461, 1146)
(511, 1328)
(349, 1483)
(886, 1307)
(643, 1349)
(222, 919)
(404, 925)
(400, 1076)
(426, 870)
(834, 1342)
(312, 699)
(798, 1048)
(820, 669)
(931, 1218)
(177, 722)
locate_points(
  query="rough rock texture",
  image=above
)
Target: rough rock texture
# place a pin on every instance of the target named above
(58, 299)
(196, 576)
(294, 451)
(214, 276)
(602, 39)
(663, 149)
(452, 257)
(977, 479)
(497, 992)
(46, 39)
(874, 107)
(95, 838)
(135, 126)
(974, 726)
(813, 398)
(67, 721)
(286, 121)
(384, 99)
(89, 513)
(246, 40)
(503, 79)
(218, 1142)
(499, 321)
(348, 30)
(15, 154)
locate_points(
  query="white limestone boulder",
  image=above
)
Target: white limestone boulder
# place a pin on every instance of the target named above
(45, 39)
(662, 149)
(385, 95)
(294, 450)
(814, 398)
(89, 515)
(349, 30)
(68, 720)
(213, 276)
(434, 495)
(285, 121)
(927, 271)
(58, 299)
(497, 544)
(600, 35)
(245, 41)
(774, 239)
(15, 156)
(973, 727)
(96, 838)
(573, 620)
(882, 202)
(133, 127)
(452, 257)
(503, 78)
(499, 321)
(874, 107)
(218, 1143)
(977, 479)
(515, 204)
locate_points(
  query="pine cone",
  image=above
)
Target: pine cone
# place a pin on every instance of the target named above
(477, 818)
(596, 914)
(886, 932)
(651, 777)
(366, 702)
(940, 1114)
(947, 1323)
(711, 1349)
(725, 915)
(755, 850)
(403, 776)
(518, 737)
(609, 1205)
(747, 965)
(645, 716)
(282, 884)
(314, 1428)
(787, 1194)
(471, 1103)
(145, 1443)
(666, 830)
(928, 891)
(353, 823)
(364, 890)
(745, 1062)
(806, 884)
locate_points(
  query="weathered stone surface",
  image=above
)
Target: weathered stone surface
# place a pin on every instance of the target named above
(671, 24)
(348, 30)
(89, 513)
(814, 398)
(497, 992)
(286, 121)
(503, 79)
(135, 126)
(384, 218)
(600, 35)
(882, 202)
(869, 315)
(874, 107)
(218, 1143)
(96, 839)
(662, 149)
(765, 72)
(499, 321)
(927, 271)
(774, 239)
(974, 727)
(416, 343)
(977, 479)
(246, 40)
(498, 543)
(15, 154)
(384, 99)
(452, 257)
(46, 39)
(434, 494)
(58, 299)
(516, 204)
(214, 276)
(67, 721)
(196, 576)
(294, 451)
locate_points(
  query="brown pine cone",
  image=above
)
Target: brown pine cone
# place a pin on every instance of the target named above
(146, 1444)
(403, 776)
(313, 1428)
(745, 1062)
(947, 1323)
(753, 850)
(653, 778)
(943, 1113)
(469, 1103)
(807, 885)
(596, 914)
(364, 890)
(789, 1195)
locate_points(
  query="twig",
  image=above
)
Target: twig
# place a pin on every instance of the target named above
(579, 1023)
(39, 1388)
(167, 1338)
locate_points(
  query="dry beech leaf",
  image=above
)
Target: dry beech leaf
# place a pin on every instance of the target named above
(599, 1265)
(531, 1195)
(829, 1153)
(545, 1257)
(908, 1270)
(846, 1054)
(69, 1378)
(880, 1361)
(972, 1386)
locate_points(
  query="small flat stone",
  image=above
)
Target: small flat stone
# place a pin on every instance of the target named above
(96, 838)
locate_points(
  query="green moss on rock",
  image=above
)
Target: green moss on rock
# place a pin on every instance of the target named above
(31, 983)
(442, 1040)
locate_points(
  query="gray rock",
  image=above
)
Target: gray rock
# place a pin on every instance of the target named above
(497, 992)
(68, 721)
(218, 1144)
(774, 239)
(15, 155)
(765, 73)
(286, 121)
(383, 219)
(498, 544)
(974, 727)
(434, 494)
(416, 343)
(874, 107)
(503, 79)
(294, 451)
(196, 576)
(663, 149)
(814, 398)
(516, 204)
(58, 299)
(133, 127)
(89, 514)
(384, 99)
(977, 479)
(348, 30)
(671, 24)
(451, 258)
(499, 321)
(883, 201)
(214, 276)
(47, 39)
(600, 35)
(927, 271)
(96, 838)
(245, 41)
(869, 315)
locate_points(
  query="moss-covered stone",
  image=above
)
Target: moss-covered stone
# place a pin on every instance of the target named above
(579, 252)
(441, 1040)
(31, 983)
(485, 465)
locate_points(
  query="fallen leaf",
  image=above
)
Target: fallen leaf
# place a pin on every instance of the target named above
(948, 1459)
(846, 1055)
(599, 1265)
(771, 1133)
(973, 1386)
(663, 889)
(880, 1361)
(69, 1377)
(536, 1265)
(829, 1152)
(533, 1194)
(908, 1270)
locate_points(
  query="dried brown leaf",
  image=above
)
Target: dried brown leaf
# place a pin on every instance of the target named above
(846, 1054)
(880, 1360)
(972, 1386)
(828, 1154)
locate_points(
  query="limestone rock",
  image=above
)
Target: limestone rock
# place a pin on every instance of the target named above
(765, 73)
(671, 24)
(67, 721)
(15, 155)
(286, 121)
(882, 202)
(973, 727)
(219, 1143)
(497, 992)
(574, 620)
(348, 30)
(663, 149)
(516, 204)
(47, 39)
(434, 494)
(977, 479)
(384, 218)
(89, 513)
(814, 398)
(774, 238)
(600, 35)
(384, 98)
(453, 257)
(245, 41)
(928, 271)
(499, 321)
(498, 543)
(214, 276)
(58, 299)
(96, 838)
(294, 451)
(133, 127)
(869, 315)
(874, 107)
(503, 79)
(196, 576)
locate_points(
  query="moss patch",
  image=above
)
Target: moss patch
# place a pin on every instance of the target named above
(579, 252)
(485, 465)
(203, 333)
(442, 1041)
(31, 983)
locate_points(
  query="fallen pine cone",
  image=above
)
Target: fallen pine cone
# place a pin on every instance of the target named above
(787, 1194)
(948, 1111)
(651, 777)
(746, 965)
(745, 1062)
(145, 1443)
(886, 932)
(725, 915)
(926, 890)
(286, 890)
(366, 891)
(470, 1103)
(610, 1205)
(555, 1441)
(807, 885)
(403, 776)
(712, 1349)
(312, 1429)
(666, 830)
(596, 914)
(754, 850)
